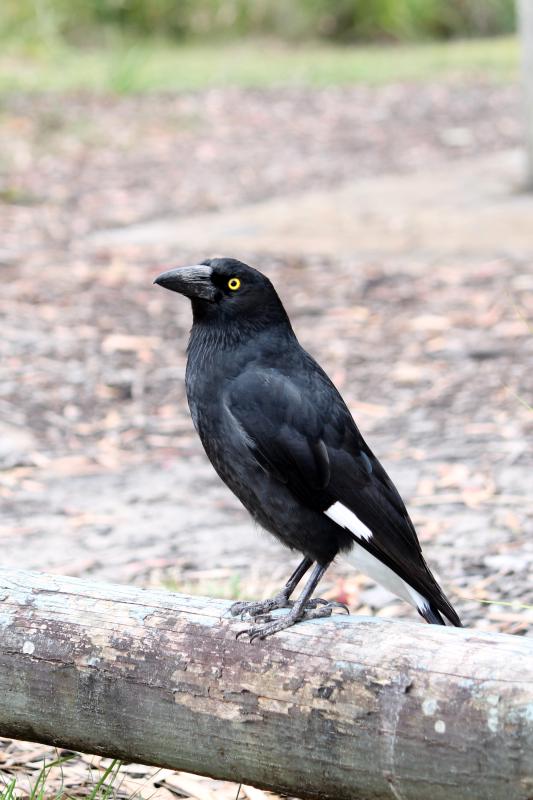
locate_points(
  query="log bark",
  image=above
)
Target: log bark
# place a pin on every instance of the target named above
(344, 708)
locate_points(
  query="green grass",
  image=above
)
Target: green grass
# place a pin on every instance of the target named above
(37, 791)
(228, 589)
(148, 65)
(103, 789)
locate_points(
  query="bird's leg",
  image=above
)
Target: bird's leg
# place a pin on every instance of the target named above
(303, 608)
(281, 600)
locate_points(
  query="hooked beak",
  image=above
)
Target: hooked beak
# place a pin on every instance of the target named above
(193, 282)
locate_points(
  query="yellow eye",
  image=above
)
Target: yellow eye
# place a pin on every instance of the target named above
(234, 284)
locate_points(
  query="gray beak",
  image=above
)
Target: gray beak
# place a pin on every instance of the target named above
(193, 282)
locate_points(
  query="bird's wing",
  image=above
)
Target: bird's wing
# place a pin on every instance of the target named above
(302, 434)
(283, 428)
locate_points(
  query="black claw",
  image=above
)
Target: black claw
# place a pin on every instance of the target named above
(336, 604)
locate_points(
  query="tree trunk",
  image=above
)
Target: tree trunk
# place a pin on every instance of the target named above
(339, 708)
(525, 17)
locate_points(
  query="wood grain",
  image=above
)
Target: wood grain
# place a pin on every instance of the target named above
(342, 708)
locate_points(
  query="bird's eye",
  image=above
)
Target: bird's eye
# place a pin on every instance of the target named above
(234, 284)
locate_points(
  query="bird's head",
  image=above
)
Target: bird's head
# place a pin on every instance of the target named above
(227, 290)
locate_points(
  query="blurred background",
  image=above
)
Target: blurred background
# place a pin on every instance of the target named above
(369, 156)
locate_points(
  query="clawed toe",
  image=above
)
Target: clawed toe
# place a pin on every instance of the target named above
(340, 606)
(254, 609)
(315, 609)
(319, 601)
(262, 631)
(236, 609)
(319, 612)
(241, 609)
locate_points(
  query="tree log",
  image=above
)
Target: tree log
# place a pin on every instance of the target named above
(342, 708)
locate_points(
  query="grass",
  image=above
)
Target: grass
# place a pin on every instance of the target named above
(123, 66)
(103, 789)
(39, 790)
(228, 589)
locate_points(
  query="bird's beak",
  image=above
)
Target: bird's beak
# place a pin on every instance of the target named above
(193, 282)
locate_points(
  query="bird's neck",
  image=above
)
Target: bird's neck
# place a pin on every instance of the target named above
(209, 339)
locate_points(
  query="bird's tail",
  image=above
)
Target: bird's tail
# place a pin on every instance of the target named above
(433, 615)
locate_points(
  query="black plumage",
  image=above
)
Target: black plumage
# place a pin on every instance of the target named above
(280, 436)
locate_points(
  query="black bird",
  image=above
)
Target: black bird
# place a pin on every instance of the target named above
(280, 436)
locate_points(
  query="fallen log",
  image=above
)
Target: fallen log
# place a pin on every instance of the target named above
(344, 708)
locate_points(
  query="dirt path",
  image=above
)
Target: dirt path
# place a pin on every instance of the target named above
(471, 207)
(413, 290)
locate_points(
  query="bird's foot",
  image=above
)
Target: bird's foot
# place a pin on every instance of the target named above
(316, 602)
(313, 609)
(260, 607)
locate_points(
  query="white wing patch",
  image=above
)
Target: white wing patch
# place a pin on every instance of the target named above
(347, 519)
(369, 564)
(379, 572)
